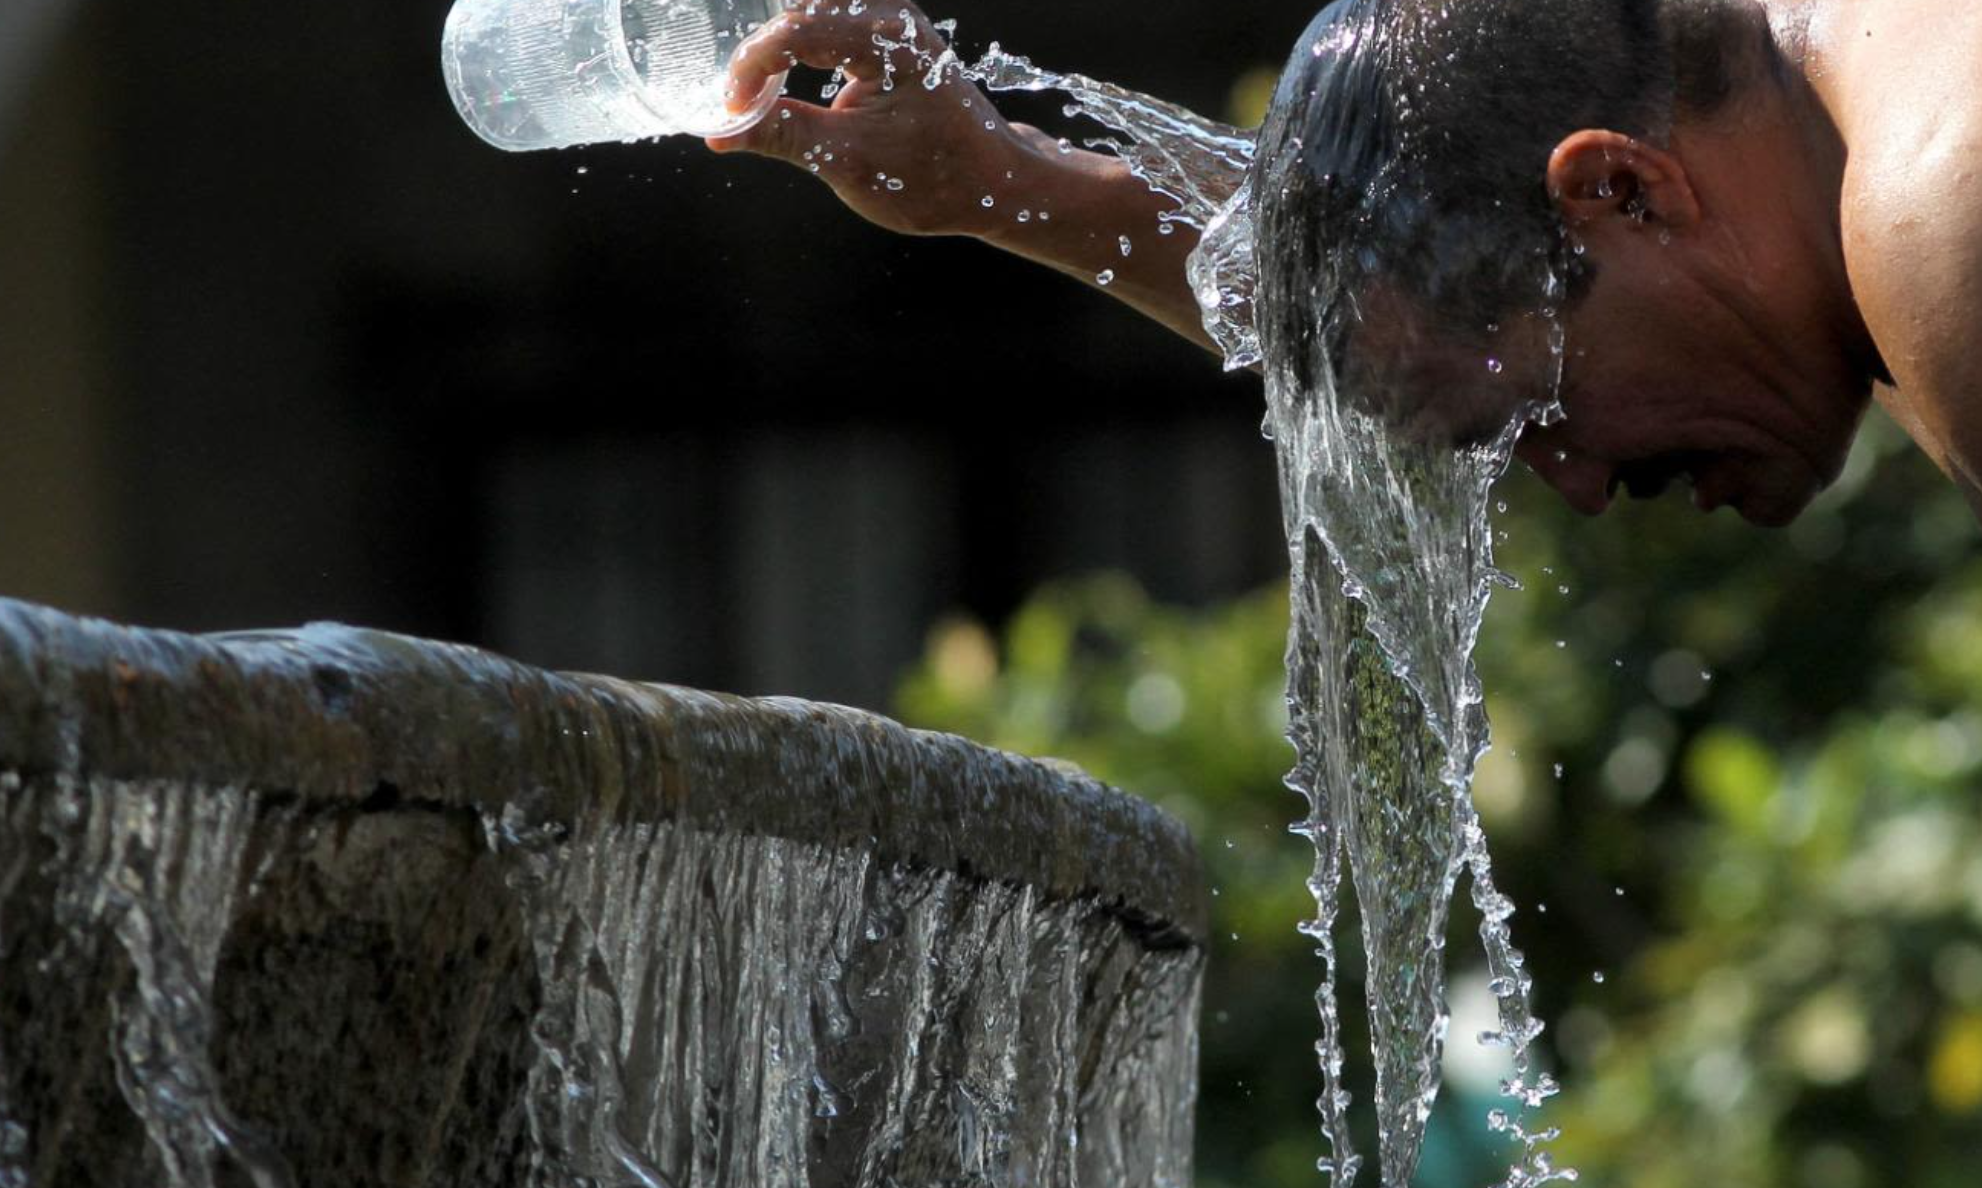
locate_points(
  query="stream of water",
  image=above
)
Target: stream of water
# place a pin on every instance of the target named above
(1391, 558)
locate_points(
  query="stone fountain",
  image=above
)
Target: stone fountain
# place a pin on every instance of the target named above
(336, 907)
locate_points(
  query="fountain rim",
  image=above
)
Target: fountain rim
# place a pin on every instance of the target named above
(347, 715)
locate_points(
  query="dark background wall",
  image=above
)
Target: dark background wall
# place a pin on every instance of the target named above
(280, 340)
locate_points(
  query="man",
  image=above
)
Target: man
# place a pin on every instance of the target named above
(1741, 215)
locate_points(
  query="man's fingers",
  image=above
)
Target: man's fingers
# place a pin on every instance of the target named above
(825, 41)
(788, 132)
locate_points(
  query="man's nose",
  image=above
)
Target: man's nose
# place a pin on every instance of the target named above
(1581, 480)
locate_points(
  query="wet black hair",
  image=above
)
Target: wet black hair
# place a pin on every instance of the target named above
(1408, 145)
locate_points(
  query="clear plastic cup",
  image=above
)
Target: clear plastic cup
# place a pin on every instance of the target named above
(539, 74)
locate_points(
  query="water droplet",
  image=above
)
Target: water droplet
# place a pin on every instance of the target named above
(1496, 366)
(896, 184)
(1106, 278)
(1597, 977)
(987, 202)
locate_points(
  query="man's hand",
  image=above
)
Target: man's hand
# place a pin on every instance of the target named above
(914, 147)
(906, 142)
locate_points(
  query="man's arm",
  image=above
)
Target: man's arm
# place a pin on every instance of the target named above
(941, 160)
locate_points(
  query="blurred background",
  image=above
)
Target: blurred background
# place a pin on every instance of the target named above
(281, 341)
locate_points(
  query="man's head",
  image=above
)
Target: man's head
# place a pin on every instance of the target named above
(1463, 202)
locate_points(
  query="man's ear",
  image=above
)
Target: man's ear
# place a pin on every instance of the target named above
(1594, 174)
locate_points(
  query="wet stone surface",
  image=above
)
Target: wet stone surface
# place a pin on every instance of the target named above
(333, 907)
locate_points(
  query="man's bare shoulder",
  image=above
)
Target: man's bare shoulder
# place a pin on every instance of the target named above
(1906, 83)
(1880, 52)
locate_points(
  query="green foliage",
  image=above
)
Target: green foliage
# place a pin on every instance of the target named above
(1765, 832)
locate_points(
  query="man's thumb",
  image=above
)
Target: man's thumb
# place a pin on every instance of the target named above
(787, 132)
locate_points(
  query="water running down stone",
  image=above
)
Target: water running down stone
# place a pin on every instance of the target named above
(335, 907)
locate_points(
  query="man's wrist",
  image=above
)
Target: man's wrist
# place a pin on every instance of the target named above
(1043, 185)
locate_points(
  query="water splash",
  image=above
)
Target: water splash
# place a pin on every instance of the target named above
(1392, 565)
(1177, 153)
(1391, 554)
